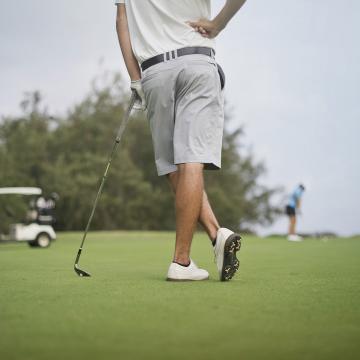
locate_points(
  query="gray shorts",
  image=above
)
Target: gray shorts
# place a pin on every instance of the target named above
(186, 112)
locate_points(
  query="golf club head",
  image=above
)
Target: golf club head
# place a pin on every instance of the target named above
(80, 272)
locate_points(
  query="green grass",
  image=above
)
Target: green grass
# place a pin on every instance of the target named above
(289, 301)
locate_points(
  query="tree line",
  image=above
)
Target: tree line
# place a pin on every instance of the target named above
(68, 156)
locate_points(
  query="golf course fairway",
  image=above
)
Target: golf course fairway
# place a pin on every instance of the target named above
(288, 300)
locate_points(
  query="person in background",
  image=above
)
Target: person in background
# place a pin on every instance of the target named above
(45, 209)
(293, 207)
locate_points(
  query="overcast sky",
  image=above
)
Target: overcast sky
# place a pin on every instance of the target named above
(293, 80)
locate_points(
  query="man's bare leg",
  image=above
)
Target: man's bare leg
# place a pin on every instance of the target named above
(207, 217)
(188, 202)
(292, 224)
(227, 243)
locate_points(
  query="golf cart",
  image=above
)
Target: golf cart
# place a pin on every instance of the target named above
(37, 230)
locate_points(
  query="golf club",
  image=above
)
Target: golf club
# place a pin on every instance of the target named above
(116, 143)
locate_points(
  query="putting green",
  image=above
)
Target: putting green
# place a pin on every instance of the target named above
(289, 301)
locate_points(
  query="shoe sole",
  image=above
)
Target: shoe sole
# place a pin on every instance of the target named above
(169, 279)
(230, 263)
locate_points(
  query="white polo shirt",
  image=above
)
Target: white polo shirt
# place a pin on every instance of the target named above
(158, 26)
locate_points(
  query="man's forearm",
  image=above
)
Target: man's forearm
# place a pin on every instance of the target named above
(228, 11)
(125, 44)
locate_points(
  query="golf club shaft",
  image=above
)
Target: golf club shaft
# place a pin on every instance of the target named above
(116, 144)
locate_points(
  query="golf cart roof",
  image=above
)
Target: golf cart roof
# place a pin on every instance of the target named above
(20, 191)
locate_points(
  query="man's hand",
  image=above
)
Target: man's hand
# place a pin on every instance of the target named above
(211, 28)
(207, 28)
(140, 103)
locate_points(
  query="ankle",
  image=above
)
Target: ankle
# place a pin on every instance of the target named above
(213, 234)
(184, 264)
(182, 260)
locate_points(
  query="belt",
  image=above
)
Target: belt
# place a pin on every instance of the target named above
(170, 55)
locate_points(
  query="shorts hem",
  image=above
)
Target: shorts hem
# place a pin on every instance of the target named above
(208, 165)
(165, 171)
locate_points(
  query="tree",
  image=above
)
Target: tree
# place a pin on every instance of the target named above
(23, 156)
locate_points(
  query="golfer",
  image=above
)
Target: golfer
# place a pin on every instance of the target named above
(292, 209)
(168, 48)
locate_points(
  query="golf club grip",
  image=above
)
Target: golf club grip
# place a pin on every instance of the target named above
(115, 145)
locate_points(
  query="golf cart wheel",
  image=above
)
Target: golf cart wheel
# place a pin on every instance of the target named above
(43, 240)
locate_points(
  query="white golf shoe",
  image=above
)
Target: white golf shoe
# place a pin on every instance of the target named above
(227, 244)
(294, 237)
(178, 272)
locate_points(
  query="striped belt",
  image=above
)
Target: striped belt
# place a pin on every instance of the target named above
(170, 55)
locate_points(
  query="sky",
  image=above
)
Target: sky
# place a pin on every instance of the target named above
(293, 80)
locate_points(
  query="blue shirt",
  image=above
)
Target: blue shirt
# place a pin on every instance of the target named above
(295, 197)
